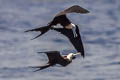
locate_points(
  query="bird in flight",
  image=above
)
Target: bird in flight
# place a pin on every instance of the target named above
(54, 57)
(61, 19)
(70, 30)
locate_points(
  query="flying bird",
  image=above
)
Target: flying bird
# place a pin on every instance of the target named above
(55, 57)
(61, 19)
(70, 30)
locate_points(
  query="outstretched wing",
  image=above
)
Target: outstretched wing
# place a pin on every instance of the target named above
(76, 41)
(73, 9)
(53, 55)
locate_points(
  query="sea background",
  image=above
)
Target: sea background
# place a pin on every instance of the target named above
(100, 32)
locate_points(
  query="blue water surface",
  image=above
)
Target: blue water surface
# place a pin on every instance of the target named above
(100, 32)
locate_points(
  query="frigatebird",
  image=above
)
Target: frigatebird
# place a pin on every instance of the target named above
(55, 57)
(61, 19)
(69, 29)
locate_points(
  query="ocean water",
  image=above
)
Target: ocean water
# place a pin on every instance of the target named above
(100, 32)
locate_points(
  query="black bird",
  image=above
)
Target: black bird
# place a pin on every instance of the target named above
(61, 19)
(69, 29)
(55, 57)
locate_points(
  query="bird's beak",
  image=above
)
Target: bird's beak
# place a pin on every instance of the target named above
(79, 53)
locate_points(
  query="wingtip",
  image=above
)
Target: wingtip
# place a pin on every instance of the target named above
(85, 11)
(83, 55)
(82, 10)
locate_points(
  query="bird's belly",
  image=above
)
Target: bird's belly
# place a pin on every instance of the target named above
(65, 62)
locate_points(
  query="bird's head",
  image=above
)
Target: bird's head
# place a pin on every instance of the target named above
(71, 56)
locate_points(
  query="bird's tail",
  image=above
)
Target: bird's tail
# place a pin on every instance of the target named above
(41, 67)
(43, 30)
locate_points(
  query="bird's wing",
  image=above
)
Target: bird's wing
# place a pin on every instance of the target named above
(73, 9)
(61, 30)
(53, 55)
(76, 41)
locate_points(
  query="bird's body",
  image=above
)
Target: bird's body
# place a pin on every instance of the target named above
(55, 57)
(62, 20)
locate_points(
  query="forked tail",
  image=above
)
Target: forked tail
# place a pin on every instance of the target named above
(41, 67)
(43, 30)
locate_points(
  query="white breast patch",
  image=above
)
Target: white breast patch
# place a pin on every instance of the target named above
(73, 25)
(69, 56)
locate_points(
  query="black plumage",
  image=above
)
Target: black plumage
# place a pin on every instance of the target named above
(61, 19)
(67, 30)
(54, 57)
